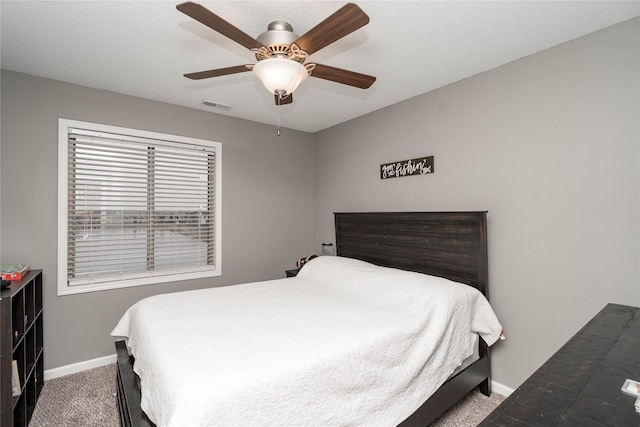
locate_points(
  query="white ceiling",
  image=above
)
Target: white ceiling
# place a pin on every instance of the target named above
(143, 48)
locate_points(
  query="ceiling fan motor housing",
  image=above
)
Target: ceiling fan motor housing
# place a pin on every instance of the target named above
(277, 41)
(278, 32)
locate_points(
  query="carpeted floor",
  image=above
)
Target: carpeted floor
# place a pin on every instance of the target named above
(87, 399)
(83, 399)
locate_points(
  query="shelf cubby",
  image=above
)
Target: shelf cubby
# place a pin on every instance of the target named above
(21, 339)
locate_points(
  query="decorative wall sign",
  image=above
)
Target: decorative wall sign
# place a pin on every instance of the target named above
(420, 166)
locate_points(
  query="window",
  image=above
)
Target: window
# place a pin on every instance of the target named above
(135, 207)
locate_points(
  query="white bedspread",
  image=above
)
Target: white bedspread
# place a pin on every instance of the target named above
(343, 343)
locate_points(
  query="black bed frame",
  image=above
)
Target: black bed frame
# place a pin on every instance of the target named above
(445, 244)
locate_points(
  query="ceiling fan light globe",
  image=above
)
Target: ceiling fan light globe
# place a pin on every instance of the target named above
(280, 74)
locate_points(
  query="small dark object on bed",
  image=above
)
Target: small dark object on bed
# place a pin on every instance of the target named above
(302, 261)
(5, 284)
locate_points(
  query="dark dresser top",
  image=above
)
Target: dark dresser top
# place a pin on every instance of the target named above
(581, 384)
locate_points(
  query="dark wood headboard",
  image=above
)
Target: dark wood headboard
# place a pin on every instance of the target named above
(452, 245)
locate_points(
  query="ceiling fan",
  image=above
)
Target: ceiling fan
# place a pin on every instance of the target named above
(280, 53)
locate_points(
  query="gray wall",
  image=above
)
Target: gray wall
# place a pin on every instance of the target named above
(267, 193)
(549, 145)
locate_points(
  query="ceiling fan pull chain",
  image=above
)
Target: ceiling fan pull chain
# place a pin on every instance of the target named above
(278, 108)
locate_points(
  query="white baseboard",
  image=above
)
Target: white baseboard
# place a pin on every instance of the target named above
(501, 389)
(78, 367)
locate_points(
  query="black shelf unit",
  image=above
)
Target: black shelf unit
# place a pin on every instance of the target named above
(21, 326)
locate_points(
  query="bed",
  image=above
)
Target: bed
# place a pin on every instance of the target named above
(371, 322)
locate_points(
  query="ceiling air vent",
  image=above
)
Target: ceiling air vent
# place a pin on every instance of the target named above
(218, 105)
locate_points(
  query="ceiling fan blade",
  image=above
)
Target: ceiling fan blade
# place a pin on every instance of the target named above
(215, 73)
(284, 101)
(345, 77)
(344, 21)
(213, 21)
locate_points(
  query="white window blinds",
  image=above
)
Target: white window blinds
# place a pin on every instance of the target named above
(138, 207)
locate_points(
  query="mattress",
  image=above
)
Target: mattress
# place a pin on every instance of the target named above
(343, 343)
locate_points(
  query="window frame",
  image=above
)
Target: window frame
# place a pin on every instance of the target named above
(64, 127)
